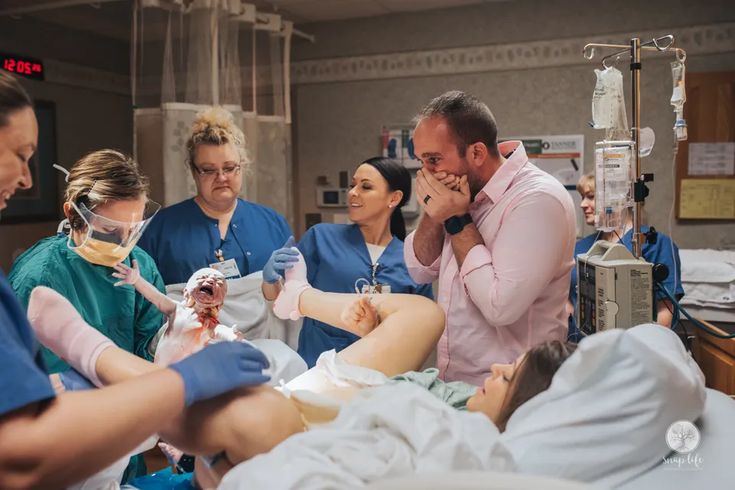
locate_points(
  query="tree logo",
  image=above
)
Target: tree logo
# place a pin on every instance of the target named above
(683, 437)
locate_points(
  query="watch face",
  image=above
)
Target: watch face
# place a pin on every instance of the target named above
(453, 225)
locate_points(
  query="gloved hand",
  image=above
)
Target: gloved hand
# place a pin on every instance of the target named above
(74, 381)
(280, 260)
(219, 368)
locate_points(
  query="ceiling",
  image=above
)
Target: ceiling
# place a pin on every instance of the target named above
(112, 18)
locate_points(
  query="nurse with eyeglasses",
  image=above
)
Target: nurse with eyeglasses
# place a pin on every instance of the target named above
(215, 228)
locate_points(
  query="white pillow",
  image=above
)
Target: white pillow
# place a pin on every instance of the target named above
(604, 418)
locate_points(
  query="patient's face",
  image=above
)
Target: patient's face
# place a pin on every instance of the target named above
(490, 396)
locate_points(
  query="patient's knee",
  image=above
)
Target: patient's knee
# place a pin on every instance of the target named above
(261, 423)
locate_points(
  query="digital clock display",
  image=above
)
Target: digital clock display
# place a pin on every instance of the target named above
(22, 65)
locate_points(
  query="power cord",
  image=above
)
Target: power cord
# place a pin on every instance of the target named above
(680, 309)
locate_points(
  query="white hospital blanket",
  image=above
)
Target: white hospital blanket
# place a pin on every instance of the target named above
(383, 432)
(247, 309)
(602, 421)
(708, 278)
(706, 265)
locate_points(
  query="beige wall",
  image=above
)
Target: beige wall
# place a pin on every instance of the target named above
(337, 124)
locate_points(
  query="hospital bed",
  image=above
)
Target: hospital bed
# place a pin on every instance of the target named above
(717, 430)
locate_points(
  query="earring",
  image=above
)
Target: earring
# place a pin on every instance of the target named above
(390, 205)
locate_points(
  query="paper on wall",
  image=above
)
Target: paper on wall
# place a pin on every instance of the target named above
(712, 158)
(707, 199)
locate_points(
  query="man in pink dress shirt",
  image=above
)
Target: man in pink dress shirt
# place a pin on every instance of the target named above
(496, 231)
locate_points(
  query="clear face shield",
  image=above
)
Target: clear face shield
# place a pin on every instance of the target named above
(106, 241)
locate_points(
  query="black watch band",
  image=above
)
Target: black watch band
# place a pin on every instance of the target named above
(455, 224)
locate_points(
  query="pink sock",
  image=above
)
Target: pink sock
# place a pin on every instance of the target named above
(59, 327)
(287, 303)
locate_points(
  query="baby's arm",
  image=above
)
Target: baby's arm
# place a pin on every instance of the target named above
(128, 275)
(223, 332)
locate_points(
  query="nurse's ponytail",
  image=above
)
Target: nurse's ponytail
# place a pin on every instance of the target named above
(398, 225)
(399, 179)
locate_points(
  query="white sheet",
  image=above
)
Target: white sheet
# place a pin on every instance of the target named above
(709, 294)
(706, 265)
(388, 431)
(602, 421)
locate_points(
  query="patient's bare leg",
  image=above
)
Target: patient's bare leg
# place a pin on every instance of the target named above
(410, 327)
(243, 422)
(253, 420)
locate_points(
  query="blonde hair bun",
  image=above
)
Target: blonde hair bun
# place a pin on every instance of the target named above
(215, 126)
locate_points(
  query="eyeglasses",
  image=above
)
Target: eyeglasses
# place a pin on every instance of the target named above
(226, 172)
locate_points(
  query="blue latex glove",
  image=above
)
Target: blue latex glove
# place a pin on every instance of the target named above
(74, 381)
(219, 368)
(281, 260)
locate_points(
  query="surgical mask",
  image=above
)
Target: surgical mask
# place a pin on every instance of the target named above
(107, 242)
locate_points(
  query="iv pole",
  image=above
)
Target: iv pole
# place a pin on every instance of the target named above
(661, 44)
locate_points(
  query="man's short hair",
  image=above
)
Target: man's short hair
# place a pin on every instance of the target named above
(469, 118)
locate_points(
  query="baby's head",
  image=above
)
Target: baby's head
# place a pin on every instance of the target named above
(206, 288)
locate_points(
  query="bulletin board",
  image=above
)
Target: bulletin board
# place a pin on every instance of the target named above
(705, 163)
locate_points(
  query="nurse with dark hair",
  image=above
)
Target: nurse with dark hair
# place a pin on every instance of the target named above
(366, 256)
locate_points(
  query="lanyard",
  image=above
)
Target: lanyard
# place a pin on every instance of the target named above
(374, 273)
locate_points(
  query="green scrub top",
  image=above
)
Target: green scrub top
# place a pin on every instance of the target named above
(120, 313)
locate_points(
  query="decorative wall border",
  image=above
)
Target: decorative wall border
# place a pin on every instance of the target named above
(704, 39)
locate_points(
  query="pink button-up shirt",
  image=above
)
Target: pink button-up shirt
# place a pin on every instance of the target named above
(510, 293)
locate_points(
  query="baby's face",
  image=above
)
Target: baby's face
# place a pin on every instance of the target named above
(207, 288)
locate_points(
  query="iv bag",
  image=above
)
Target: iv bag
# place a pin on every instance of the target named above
(678, 98)
(608, 103)
(613, 183)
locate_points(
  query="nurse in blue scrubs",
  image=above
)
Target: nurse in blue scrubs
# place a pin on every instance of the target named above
(215, 228)
(367, 255)
(664, 251)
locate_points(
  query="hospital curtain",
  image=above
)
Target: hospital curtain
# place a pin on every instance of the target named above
(211, 52)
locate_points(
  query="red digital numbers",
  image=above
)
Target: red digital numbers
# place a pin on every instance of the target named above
(30, 68)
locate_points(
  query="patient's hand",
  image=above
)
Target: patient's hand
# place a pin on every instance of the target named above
(361, 317)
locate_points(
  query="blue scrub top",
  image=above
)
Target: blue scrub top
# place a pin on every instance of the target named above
(336, 256)
(655, 253)
(182, 239)
(23, 378)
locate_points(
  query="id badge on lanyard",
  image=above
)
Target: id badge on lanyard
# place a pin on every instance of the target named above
(228, 267)
(363, 286)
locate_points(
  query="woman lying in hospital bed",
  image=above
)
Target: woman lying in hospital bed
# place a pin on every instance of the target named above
(550, 429)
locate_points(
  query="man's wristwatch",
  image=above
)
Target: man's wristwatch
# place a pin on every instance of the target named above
(455, 224)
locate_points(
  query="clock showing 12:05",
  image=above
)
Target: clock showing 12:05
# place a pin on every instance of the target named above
(22, 65)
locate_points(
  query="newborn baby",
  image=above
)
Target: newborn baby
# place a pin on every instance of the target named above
(194, 322)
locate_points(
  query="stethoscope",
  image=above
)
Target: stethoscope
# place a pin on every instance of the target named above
(362, 282)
